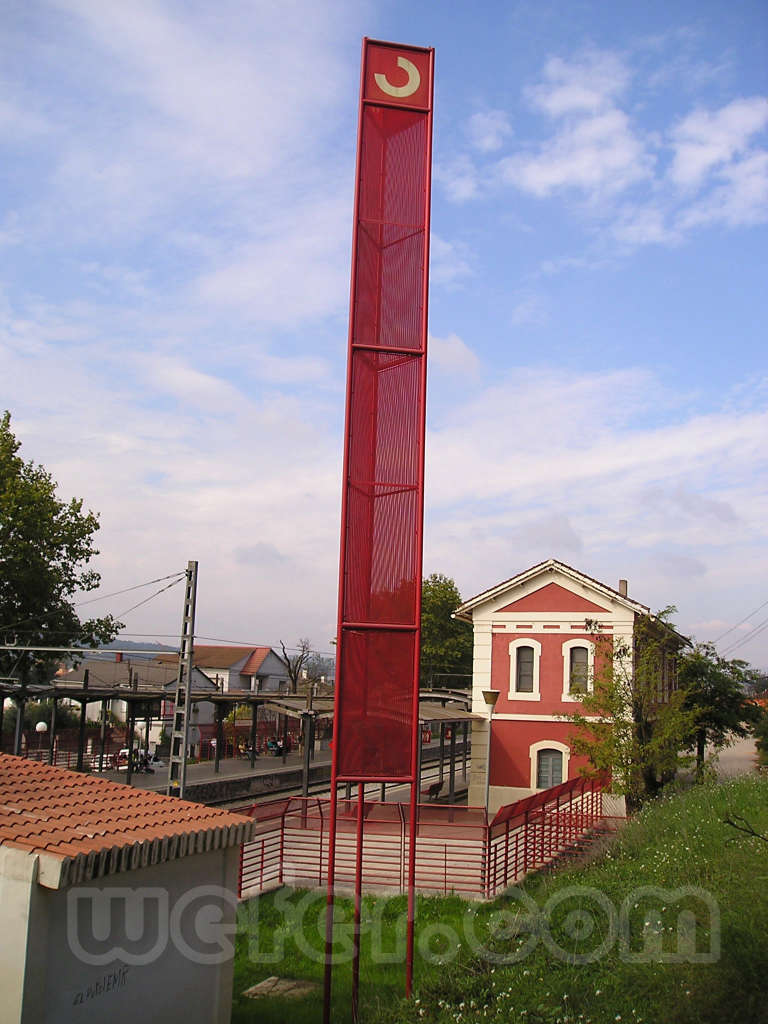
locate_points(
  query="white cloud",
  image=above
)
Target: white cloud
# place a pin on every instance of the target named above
(191, 196)
(19, 121)
(449, 262)
(644, 224)
(294, 268)
(459, 178)
(487, 130)
(159, 108)
(529, 309)
(174, 376)
(584, 85)
(555, 431)
(452, 355)
(219, 106)
(183, 464)
(740, 199)
(541, 462)
(595, 148)
(709, 628)
(677, 566)
(596, 154)
(600, 153)
(548, 464)
(677, 500)
(708, 139)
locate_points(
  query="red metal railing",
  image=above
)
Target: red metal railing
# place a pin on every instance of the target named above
(261, 860)
(457, 850)
(531, 832)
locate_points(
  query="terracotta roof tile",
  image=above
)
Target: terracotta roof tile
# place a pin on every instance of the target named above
(220, 656)
(103, 826)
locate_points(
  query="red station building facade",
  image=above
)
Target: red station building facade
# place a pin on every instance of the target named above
(531, 645)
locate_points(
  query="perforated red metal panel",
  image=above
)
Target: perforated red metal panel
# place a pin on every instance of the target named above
(382, 513)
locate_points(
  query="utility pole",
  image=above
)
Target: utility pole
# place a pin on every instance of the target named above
(133, 680)
(308, 733)
(52, 747)
(177, 763)
(21, 704)
(103, 736)
(81, 728)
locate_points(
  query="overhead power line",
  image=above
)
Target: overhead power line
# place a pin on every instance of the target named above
(31, 622)
(81, 650)
(759, 628)
(250, 643)
(745, 619)
(126, 590)
(151, 597)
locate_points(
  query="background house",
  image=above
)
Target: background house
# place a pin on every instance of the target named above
(255, 669)
(124, 672)
(532, 646)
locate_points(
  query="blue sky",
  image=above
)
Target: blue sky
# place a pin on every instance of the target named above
(177, 182)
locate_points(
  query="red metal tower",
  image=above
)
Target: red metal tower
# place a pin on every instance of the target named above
(377, 680)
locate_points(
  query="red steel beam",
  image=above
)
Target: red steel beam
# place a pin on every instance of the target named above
(376, 725)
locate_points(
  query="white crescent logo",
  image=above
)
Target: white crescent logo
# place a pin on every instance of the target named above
(410, 87)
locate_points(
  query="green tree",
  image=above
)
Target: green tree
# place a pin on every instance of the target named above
(45, 547)
(446, 643)
(761, 734)
(716, 694)
(42, 711)
(632, 721)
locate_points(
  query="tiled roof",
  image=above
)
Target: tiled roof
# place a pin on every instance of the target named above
(84, 827)
(104, 675)
(462, 612)
(255, 661)
(215, 656)
(112, 673)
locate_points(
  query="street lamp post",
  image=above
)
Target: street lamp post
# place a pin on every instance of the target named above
(41, 729)
(490, 697)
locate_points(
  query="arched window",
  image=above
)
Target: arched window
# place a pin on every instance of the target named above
(578, 668)
(549, 763)
(549, 768)
(524, 661)
(524, 670)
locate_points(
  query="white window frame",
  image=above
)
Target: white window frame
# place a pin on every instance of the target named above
(533, 752)
(524, 641)
(567, 648)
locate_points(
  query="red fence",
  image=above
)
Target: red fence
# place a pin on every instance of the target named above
(457, 850)
(531, 832)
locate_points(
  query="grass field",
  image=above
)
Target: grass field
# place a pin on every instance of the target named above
(668, 926)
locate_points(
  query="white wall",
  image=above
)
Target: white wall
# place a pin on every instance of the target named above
(49, 961)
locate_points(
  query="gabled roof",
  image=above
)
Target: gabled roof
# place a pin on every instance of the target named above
(115, 673)
(465, 610)
(83, 827)
(256, 660)
(110, 674)
(219, 656)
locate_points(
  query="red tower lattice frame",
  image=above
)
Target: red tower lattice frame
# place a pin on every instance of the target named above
(376, 719)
